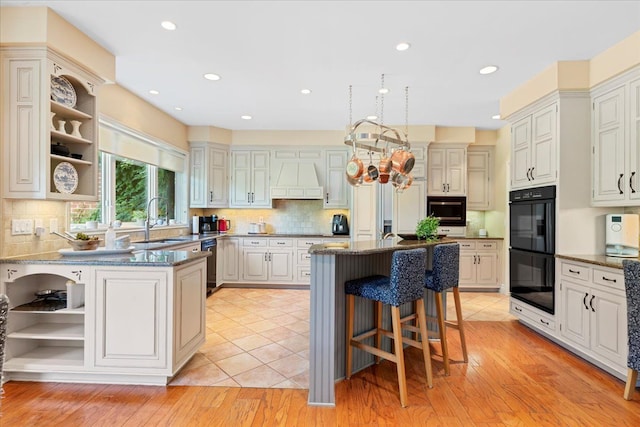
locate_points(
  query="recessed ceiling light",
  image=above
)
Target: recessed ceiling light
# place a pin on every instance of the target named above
(372, 117)
(305, 91)
(178, 108)
(246, 117)
(211, 76)
(383, 90)
(402, 46)
(496, 117)
(168, 25)
(154, 92)
(488, 69)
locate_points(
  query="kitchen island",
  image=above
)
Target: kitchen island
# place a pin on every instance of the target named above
(332, 264)
(132, 318)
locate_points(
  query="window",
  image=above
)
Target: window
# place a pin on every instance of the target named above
(134, 171)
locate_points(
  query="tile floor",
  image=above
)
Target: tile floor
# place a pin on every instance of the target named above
(260, 337)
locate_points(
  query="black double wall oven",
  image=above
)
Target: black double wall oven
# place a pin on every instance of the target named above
(532, 246)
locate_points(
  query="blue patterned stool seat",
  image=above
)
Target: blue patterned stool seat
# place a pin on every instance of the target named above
(632, 289)
(4, 312)
(443, 276)
(404, 284)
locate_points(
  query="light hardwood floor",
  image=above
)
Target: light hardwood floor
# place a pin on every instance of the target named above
(514, 378)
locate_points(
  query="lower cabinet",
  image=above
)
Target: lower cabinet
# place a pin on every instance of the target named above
(267, 260)
(479, 264)
(120, 324)
(229, 250)
(593, 312)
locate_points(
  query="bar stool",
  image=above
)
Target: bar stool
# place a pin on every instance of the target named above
(632, 288)
(404, 285)
(445, 273)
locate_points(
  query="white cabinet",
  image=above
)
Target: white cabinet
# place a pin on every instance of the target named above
(616, 142)
(364, 212)
(478, 264)
(249, 185)
(531, 316)
(33, 123)
(38, 338)
(229, 257)
(593, 312)
(410, 206)
(479, 182)
(447, 171)
(267, 260)
(335, 185)
(209, 172)
(534, 148)
(303, 258)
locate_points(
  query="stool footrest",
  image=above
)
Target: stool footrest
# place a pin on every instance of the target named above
(375, 351)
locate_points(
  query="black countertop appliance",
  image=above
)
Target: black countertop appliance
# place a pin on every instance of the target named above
(208, 224)
(340, 226)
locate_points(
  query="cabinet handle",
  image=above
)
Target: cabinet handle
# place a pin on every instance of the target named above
(528, 177)
(608, 280)
(327, 197)
(266, 256)
(517, 309)
(543, 322)
(591, 303)
(210, 196)
(619, 180)
(532, 178)
(584, 301)
(279, 243)
(448, 189)
(574, 271)
(631, 182)
(444, 189)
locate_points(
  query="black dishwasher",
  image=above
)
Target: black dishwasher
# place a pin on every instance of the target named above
(210, 245)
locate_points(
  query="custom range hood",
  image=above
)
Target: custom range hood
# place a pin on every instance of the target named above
(297, 180)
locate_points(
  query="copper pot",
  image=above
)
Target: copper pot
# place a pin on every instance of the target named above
(402, 161)
(356, 182)
(355, 168)
(385, 165)
(383, 178)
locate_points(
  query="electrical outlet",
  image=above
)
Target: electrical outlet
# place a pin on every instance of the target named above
(53, 225)
(21, 226)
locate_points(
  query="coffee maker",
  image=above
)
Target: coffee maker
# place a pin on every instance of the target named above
(339, 225)
(208, 224)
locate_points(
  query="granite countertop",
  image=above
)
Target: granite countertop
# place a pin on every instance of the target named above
(146, 258)
(291, 235)
(602, 260)
(367, 247)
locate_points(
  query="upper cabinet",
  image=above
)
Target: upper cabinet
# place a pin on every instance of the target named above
(616, 141)
(335, 184)
(50, 127)
(249, 186)
(447, 170)
(533, 148)
(479, 183)
(209, 175)
(410, 205)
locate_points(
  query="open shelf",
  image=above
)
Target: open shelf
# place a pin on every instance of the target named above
(68, 112)
(70, 160)
(69, 138)
(51, 331)
(47, 359)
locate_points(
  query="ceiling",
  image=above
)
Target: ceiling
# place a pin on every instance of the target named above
(267, 51)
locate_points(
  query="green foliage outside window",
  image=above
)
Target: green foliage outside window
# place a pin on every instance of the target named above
(131, 189)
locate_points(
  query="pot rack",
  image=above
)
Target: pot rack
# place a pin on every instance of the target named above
(369, 140)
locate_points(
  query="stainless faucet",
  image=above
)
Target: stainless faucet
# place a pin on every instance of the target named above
(388, 235)
(147, 224)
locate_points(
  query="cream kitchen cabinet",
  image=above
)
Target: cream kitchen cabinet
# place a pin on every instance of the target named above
(593, 312)
(335, 184)
(447, 170)
(616, 141)
(229, 257)
(303, 258)
(478, 264)
(209, 176)
(534, 148)
(249, 186)
(33, 123)
(479, 182)
(364, 210)
(267, 260)
(410, 206)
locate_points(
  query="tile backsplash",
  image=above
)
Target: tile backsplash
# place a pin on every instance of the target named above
(287, 216)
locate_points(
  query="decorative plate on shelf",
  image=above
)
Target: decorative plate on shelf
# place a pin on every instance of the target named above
(62, 91)
(65, 178)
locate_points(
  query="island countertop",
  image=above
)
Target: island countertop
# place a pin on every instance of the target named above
(147, 258)
(368, 247)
